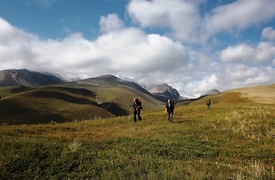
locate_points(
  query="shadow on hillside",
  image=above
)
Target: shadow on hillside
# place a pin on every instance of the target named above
(20, 89)
(62, 95)
(76, 91)
(114, 109)
(13, 114)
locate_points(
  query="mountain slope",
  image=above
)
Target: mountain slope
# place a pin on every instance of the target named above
(109, 81)
(111, 90)
(27, 78)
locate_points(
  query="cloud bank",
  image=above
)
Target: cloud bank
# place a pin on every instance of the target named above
(179, 57)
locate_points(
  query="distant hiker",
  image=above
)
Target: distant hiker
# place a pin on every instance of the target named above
(208, 104)
(170, 110)
(137, 107)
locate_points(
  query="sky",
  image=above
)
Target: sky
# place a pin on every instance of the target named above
(192, 45)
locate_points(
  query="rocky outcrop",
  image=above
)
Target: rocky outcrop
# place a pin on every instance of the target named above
(163, 92)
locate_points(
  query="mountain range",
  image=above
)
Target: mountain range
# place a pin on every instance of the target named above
(24, 77)
(29, 97)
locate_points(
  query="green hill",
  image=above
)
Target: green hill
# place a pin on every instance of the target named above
(69, 102)
(50, 104)
(232, 140)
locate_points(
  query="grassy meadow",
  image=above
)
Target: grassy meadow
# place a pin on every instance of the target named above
(233, 140)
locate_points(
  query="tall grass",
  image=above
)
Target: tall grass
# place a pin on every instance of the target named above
(231, 141)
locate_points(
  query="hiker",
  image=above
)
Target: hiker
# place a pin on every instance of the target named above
(170, 110)
(137, 107)
(208, 104)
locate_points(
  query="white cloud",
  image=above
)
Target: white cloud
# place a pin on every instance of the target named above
(242, 75)
(110, 23)
(241, 52)
(125, 51)
(269, 34)
(265, 52)
(201, 86)
(186, 23)
(238, 15)
(14, 49)
(181, 16)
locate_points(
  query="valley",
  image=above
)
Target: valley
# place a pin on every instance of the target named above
(232, 140)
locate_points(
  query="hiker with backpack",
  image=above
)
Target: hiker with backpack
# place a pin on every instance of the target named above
(170, 110)
(208, 104)
(137, 107)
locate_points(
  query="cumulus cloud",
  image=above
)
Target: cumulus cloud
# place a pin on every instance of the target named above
(181, 16)
(241, 75)
(110, 23)
(188, 25)
(265, 52)
(14, 49)
(269, 34)
(122, 51)
(241, 52)
(198, 87)
(238, 15)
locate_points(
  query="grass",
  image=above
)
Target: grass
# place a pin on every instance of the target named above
(234, 140)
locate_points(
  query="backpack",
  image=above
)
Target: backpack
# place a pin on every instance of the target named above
(139, 103)
(172, 102)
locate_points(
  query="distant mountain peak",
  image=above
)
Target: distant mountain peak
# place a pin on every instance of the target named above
(164, 92)
(211, 92)
(110, 80)
(108, 76)
(24, 77)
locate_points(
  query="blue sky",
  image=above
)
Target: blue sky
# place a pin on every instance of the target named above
(192, 45)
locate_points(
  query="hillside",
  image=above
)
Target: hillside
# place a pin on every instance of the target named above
(258, 94)
(69, 102)
(234, 140)
(46, 104)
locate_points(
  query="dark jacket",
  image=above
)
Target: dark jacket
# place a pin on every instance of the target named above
(170, 108)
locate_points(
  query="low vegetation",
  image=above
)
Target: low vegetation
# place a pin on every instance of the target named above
(233, 140)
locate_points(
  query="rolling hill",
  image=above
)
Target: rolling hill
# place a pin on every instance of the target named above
(46, 104)
(101, 97)
(256, 94)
